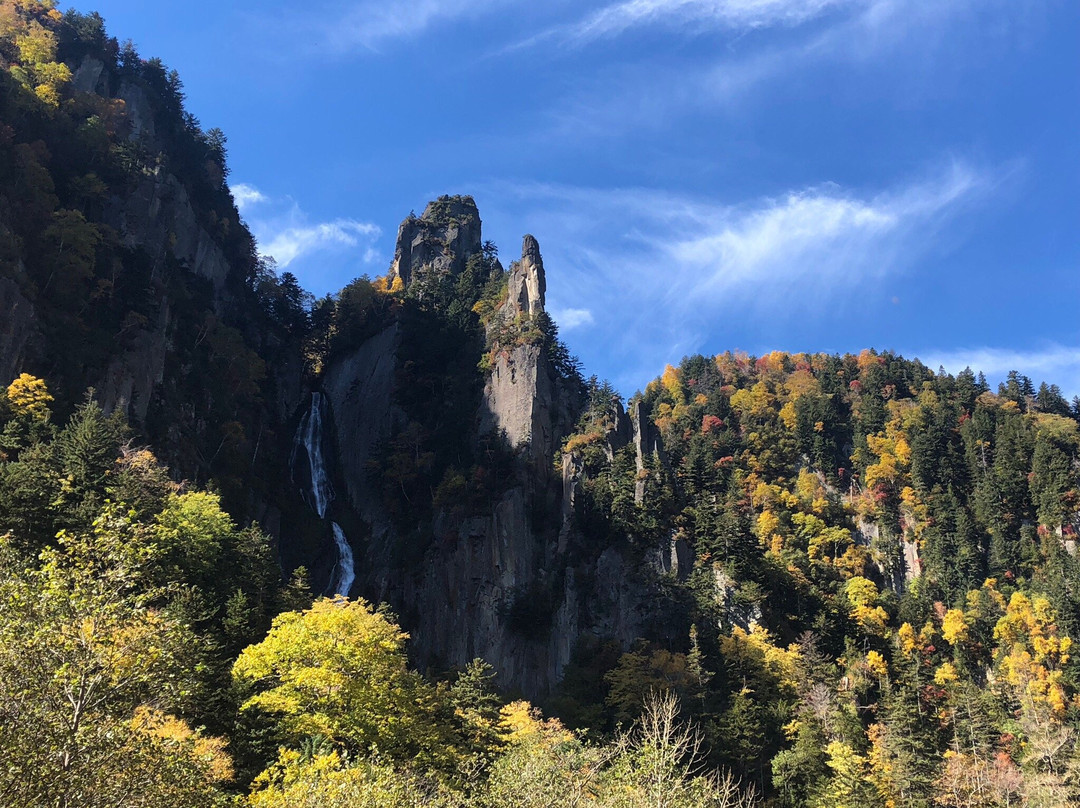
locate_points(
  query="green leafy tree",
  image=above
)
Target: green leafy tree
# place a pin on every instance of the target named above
(339, 670)
(82, 645)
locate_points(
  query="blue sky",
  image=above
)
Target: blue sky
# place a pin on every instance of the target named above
(702, 175)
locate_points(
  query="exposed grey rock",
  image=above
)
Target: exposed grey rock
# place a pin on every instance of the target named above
(527, 286)
(523, 399)
(745, 616)
(572, 468)
(617, 604)
(675, 557)
(619, 430)
(17, 329)
(88, 76)
(139, 112)
(646, 444)
(290, 392)
(132, 375)
(359, 389)
(438, 242)
(905, 569)
(912, 561)
(517, 401)
(158, 216)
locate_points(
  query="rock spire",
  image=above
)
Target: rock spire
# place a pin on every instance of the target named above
(527, 283)
(437, 242)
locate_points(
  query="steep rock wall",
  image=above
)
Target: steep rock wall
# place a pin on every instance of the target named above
(501, 585)
(156, 216)
(437, 242)
(359, 389)
(17, 330)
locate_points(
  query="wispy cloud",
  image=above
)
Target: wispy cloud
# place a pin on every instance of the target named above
(569, 319)
(286, 245)
(285, 232)
(373, 23)
(696, 15)
(1055, 364)
(912, 34)
(656, 269)
(824, 233)
(246, 196)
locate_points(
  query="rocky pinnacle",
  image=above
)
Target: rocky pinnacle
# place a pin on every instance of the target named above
(527, 283)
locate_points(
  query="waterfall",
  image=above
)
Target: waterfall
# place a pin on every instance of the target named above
(346, 574)
(317, 491)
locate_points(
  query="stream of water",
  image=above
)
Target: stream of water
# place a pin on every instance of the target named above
(319, 493)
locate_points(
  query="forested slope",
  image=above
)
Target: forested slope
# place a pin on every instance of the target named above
(883, 581)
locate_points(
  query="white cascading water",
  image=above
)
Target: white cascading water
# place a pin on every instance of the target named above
(319, 492)
(346, 573)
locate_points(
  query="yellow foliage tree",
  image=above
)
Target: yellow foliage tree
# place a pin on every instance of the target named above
(28, 395)
(1032, 654)
(954, 627)
(339, 670)
(863, 595)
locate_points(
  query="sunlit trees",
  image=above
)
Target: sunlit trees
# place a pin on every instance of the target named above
(338, 670)
(82, 645)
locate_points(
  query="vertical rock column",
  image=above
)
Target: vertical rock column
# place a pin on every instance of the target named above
(519, 394)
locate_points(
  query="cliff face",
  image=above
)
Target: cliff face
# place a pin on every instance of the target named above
(359, 388)
(437, 243)
(124, 267)
(186, 337)
(501, 584)
(17, 329)
(157, 217)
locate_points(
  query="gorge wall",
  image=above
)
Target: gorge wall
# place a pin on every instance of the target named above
(501, 583)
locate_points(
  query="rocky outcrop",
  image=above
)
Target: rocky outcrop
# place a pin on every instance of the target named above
(618, 428)
(90, 76)
(734, 613)
(523, 400)
(131, 376)
(527, 286)
(438, 242)
(518, 399)
(646, 445)
(359, 389)
(17, 329)
(899, 568)
(676, 557)
(499, 585)
(140, 114)
(498, 592)
(158, 217)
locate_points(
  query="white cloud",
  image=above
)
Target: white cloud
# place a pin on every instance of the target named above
(657, 270)
(569, 319)
(819, 233)
(1054, 364)
(246, 196)
(372, 23)
(696, 15)
(286, 245)
(284, 232)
